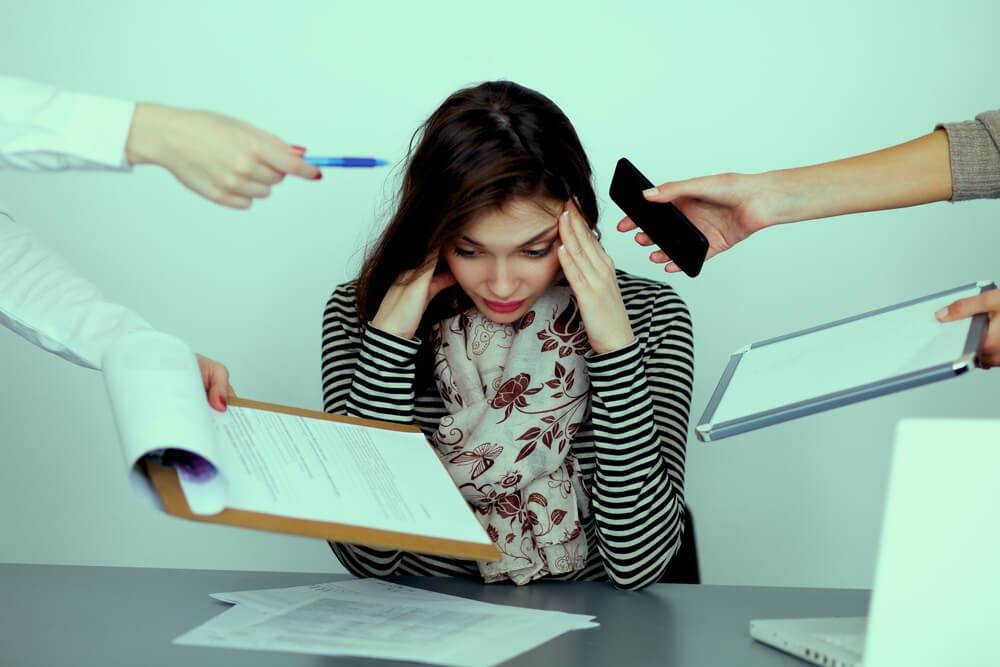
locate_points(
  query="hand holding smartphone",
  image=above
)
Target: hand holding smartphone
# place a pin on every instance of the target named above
(664, 223)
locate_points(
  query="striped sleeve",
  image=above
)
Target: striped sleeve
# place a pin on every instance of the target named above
(339, 354)
(382, 387)
(640, 404)
(371, 377)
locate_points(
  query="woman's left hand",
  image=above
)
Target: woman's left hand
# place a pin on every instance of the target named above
(215, 377)
(591, 275)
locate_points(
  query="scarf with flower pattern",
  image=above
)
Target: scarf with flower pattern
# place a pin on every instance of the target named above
(516, 394)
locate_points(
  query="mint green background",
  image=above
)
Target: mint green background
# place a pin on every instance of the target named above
(683, 89)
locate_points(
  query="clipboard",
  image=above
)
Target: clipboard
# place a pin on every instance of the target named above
(842, 362)
(276, 468)
(167, 485)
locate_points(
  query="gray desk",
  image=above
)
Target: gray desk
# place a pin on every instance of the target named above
(66, 615)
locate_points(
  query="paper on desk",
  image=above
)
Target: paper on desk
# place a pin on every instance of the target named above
(275, 599)
(370, 618)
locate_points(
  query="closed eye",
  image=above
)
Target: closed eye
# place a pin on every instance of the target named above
(535, 253)
(531, 253)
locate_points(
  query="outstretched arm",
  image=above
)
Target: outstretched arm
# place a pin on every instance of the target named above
(222, 159)
(730, 207)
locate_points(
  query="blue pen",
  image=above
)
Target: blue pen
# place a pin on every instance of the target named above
(345, 161)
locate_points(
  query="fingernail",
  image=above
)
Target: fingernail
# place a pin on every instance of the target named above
(299, 149)
(319, 175)
(941, 314)
(650, 192)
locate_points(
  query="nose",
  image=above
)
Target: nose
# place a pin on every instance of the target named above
(502, 282)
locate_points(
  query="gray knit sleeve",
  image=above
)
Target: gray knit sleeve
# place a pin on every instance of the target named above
(975, 156)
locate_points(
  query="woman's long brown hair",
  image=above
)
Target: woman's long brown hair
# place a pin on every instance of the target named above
(484, 147)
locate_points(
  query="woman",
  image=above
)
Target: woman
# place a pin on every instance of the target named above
(555, 389)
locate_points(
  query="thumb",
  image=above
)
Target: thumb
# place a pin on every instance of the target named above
(663, 193)
(440, 282)
(981, 303)
(671, 190)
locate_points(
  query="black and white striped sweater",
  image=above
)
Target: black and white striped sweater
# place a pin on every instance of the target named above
(630, 449)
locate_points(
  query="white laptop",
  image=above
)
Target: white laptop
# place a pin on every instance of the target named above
(936, 598)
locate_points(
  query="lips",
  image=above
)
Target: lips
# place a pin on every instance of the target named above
(503, 306)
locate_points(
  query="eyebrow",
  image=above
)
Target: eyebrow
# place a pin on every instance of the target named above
(534, 239)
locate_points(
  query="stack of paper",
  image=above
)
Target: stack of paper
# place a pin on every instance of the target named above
(378, 619)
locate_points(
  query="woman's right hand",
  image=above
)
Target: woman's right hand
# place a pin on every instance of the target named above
(404, 304)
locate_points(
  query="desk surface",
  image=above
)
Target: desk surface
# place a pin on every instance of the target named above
(73, 615)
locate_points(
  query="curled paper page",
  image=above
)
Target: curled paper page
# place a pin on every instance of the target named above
(160, 410)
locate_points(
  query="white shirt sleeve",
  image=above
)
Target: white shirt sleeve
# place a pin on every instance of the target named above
(43, 128)
(46, 301)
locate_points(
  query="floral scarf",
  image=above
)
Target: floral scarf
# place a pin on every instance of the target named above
(516, 395)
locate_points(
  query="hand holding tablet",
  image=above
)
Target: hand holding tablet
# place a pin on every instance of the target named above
(843, 362)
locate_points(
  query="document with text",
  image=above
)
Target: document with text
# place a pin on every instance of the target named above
(272, 467)
(379, 619)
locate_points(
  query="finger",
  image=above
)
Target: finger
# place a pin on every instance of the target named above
(441, 281)
(232, 200)
(215, 399)
(263, 173)
(218, 398)
(671, 190)
(214, 376)
(286, 159)
(988, 301)
(570, 268)
(252, 190)
(625, 224)
(591, 263)
(572, 243)
(660, 257)
(642, 238)
(989, 351)
(219, 388)
(592, 247)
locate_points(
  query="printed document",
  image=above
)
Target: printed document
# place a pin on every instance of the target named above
(317, 474)
(378, 619)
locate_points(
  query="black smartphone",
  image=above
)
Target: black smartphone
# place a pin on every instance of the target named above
(664, 223)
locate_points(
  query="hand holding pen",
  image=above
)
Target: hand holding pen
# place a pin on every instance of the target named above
(223, 159)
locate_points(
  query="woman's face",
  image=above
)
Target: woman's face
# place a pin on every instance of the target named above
(506, 259)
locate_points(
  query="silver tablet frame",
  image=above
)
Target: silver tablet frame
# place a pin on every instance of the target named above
(707, 431)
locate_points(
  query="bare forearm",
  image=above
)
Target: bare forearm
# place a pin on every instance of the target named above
(916, 172)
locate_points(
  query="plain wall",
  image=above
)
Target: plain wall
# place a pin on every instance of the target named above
(683, 89)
